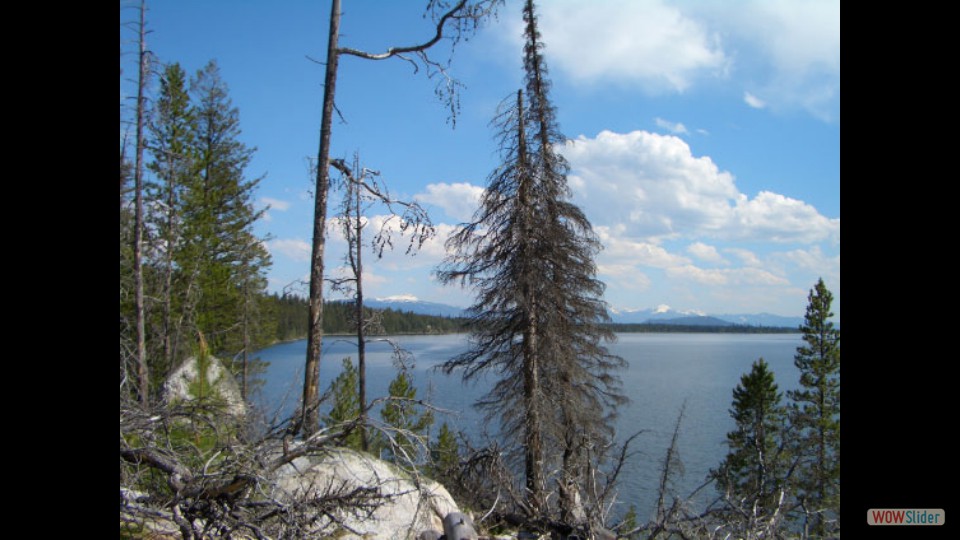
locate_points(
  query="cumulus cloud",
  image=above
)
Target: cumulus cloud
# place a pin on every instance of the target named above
(705, 253)
(458, 200)
(295, 249)
(814, 263)
(788, 50)
(647, 43)
(624, 276)
(654, 187)
(676, 128)
(772, 216)
(616, 247)
(726, 276)
(275, 204)
(753, 101)
(784, 50)
(747, 257)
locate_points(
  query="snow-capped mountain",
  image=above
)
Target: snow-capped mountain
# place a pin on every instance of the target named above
(407, 302)
(664, 314)
(660, 313)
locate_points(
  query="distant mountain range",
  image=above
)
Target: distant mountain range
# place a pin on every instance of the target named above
(660, 315)
(666, 315)
(414, 305)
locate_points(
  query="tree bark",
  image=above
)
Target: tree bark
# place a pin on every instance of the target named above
(311, 383)
(142, 372)
(361, 330)
(533, 452)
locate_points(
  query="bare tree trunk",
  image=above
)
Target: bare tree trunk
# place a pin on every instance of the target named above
(361, 329)
(168, 273)
(311, 383)
(246, 341)
(142, 373)
(533, 452)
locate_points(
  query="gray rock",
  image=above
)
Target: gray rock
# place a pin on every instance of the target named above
(457, 526)
(226, 391)
(409, 508)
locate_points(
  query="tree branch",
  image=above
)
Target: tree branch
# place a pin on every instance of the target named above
(396, 51)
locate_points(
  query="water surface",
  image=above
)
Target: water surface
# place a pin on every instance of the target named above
(664, 372)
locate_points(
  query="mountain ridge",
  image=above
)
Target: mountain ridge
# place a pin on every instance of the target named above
(661, 314)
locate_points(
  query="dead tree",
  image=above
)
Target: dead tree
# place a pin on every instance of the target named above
(452, 22)
(143, 386)
(362, 188)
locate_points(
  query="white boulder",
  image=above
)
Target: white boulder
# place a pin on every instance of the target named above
(409, 505)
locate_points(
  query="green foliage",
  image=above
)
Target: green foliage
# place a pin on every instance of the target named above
(445, 456)
(755, 467)
(346, 402)
(816, 412)
(222, 261)
(405, 418)
(202, 389)
(630, 522)
(203, 268)
(291, 313)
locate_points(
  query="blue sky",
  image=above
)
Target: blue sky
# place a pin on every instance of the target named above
(704, 136)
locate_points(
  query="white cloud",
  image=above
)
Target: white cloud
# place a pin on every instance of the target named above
(787, 51)
(753, 101)
(781, 219)
(618, 248)
(725, 276)
(624, 277)
(705, 253)
(297, 250)
(814, 263)
(676, 128)
(653, 187)
(747, 257)
(647, 43)
(275, 204)
(459, 200)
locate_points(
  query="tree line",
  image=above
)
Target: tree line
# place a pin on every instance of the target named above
(291, 314)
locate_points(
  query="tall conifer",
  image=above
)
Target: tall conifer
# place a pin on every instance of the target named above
(528, 254)
(816, 413)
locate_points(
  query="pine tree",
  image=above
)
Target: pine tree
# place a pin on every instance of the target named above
(445, 456)
(346, 404)
(405, 418)
(222, 260)
(537, 317)
(173, 146)
(816, 413)
(752, 475)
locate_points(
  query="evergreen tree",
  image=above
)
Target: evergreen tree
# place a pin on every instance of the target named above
(223, 261)
(445, 456)
(346, 403)
(752, 474)
(537, 317)
(816, 414)
(173, 145)
(404, 417)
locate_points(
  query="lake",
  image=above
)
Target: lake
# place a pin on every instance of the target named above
(665, 370)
